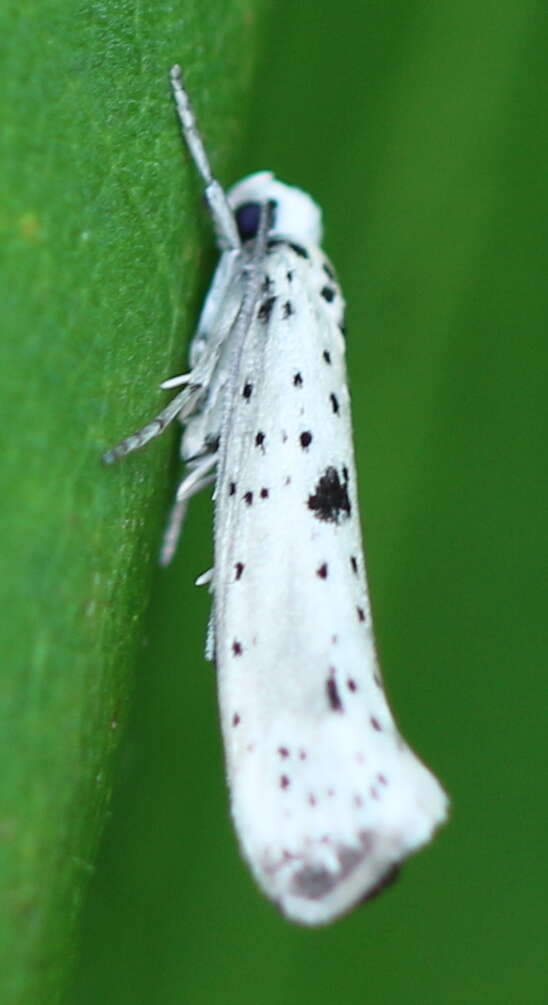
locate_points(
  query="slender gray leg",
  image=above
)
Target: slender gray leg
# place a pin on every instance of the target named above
(194, 482)
(182, 404)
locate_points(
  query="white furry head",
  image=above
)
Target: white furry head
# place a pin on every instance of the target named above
(295, 215)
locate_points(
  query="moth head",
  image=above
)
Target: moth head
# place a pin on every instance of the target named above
(294, 215)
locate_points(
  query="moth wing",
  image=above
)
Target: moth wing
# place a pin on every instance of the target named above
(326, 796)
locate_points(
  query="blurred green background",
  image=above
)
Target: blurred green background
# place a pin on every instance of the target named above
(420, 128)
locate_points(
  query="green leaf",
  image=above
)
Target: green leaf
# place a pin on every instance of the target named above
(103, 245)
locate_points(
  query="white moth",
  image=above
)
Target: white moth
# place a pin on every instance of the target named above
(326, 796)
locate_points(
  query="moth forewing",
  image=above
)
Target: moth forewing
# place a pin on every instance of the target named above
(326, 797)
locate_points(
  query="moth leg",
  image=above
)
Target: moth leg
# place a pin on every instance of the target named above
(194, 482)
(221, 213)
(190, 483)
(182, 405)
(173, 530)
(178, 381)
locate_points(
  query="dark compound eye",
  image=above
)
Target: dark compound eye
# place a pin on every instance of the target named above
(247, 219)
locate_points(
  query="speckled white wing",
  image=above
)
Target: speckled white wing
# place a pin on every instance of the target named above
(326, 796)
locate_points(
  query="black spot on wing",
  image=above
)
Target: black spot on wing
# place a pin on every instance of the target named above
(328, 293)
(305, 439)
(266, 308)
(333, 696)
(330, 501)
(287, 310)
(275, 242)
(328, 270)
(298, 249)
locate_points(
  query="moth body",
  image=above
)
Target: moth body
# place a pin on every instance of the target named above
(327, 798)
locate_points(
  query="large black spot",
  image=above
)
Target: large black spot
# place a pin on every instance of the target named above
(330, 501)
